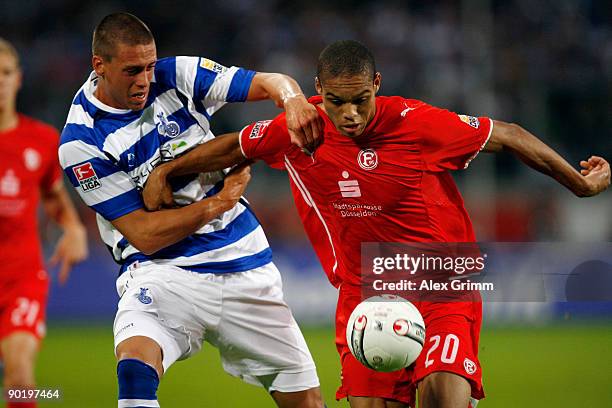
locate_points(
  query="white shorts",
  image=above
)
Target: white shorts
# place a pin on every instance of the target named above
(243, 314)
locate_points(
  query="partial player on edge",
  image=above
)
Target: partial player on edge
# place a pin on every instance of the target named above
(29, 173)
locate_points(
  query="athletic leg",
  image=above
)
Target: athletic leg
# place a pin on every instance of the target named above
(447, 373)
(371, 402)
(19, 351)
(145, 345)
(260, 342)
(22, 327)
(444, 390)
(139, 369)
(310, 398)
(143, 349)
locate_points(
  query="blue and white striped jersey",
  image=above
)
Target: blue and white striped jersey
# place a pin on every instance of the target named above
(108, 153)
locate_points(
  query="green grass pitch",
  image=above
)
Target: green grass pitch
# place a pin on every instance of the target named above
(564, 365)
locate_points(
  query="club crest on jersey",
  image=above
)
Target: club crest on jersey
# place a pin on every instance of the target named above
(259, 129)
(367, 159)
(470, 120)
(87, 177)
(212, 66)
(167, 127)
(31, 159)
(143, 298)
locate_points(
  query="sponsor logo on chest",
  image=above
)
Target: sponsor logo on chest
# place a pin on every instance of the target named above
(349, 188)
(9, 184)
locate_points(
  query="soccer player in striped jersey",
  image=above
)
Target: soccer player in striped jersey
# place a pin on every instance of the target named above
(29, 174)
(382, 174)
(191, 274)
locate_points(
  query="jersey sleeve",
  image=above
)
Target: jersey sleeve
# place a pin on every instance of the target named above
(450, 141)
(266, 140)
(102, 185)
(209, 84)
(52, 173)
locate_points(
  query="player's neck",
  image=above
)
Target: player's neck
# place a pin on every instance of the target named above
(8, 119)
(99, 94)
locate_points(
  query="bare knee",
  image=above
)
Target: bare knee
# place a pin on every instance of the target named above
(19, 352)
(310, 398)
(444, 390)
(141, 348)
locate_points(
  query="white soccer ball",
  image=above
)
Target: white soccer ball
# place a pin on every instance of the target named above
(385, 333)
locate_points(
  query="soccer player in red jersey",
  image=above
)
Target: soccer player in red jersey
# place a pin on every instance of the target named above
(29, 170)
(381, 174)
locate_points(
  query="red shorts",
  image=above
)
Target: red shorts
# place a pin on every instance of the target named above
(451, 345)
(23, 303)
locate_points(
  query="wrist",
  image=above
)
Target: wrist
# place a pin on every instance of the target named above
(76, 230)
(584, 188)
(223, 203)
(291, 97)
(166, 170)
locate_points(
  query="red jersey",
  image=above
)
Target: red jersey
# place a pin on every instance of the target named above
(29, 164)
(390, 184)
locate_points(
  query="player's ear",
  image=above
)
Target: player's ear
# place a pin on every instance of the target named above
(98, 65)
(318, 86)
(377, 80)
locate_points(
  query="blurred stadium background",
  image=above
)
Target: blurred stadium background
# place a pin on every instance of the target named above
(546, 65)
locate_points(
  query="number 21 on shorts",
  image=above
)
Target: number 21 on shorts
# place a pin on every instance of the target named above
(25, 313)
(449, 349)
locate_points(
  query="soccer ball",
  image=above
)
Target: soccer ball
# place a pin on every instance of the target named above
(385, 333)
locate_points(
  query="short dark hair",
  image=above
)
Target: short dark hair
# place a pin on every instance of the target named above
(346, 57)
(119, 28)
(7, 48)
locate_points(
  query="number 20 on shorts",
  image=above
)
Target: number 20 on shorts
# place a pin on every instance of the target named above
(449, 349)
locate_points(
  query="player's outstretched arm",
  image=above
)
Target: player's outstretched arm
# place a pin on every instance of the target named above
(71, 248)
(217, 154)
(591, 180)
(303, 121)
